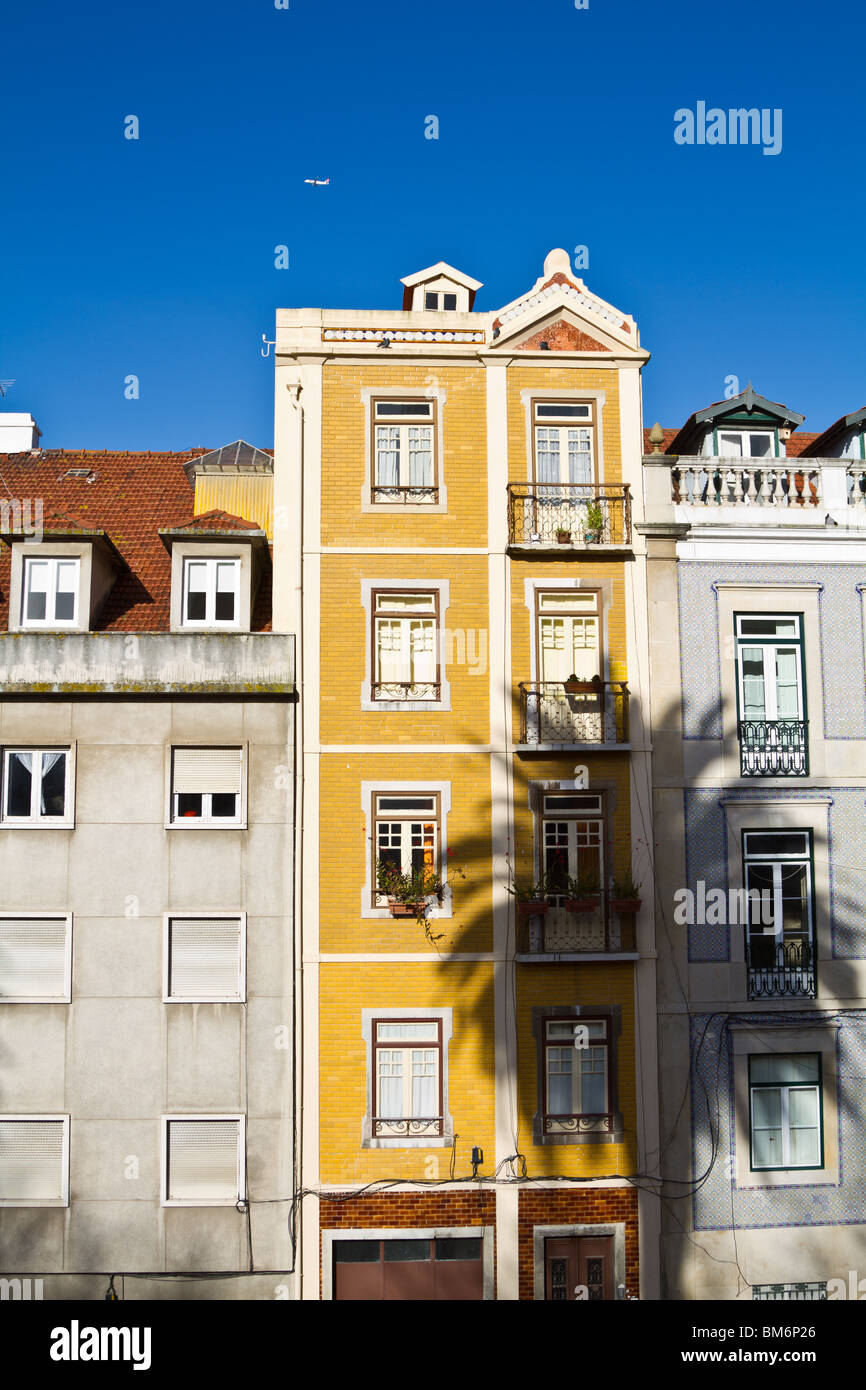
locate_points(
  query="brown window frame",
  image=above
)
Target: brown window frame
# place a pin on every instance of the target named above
(406, 1045)
(374, 615)
(577, 814)
(552, 422)
(376, 818)
(574, 1020)
(432, 419)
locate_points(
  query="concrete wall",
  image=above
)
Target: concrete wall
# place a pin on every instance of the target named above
(117, 1058)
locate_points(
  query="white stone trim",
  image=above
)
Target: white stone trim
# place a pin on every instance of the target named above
(368, 790)
(440, 1141)
(542, 1233)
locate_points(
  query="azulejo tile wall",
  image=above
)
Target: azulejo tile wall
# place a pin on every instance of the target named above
(719, 1204)
(707, 859)
(842, 639)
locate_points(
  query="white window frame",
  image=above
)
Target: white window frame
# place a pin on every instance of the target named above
(768, 647)
(39, 821)
(785, 1088)
(63, 1199)
(239, 997)
(167, 1201)
(210, 623)
(205, 821)
(66, 996)
(744, 433)
(50, 621)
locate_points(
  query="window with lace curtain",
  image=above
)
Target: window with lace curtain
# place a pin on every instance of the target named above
(404, 451)
(37, 787)
(405, 646)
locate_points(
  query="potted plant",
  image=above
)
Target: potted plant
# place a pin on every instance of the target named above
(582, 893)
(594, 523)
(625, 894)
(563, 536)
(531, 898)
(410, 894)
(577, 686)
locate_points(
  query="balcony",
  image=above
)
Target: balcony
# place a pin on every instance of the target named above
(745, 482)
(554, 714)
(561, 932)
(568, 517)
(788, 493)
(780, 970)
(773, 748)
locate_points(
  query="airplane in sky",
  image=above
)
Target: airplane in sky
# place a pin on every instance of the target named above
(321, 183)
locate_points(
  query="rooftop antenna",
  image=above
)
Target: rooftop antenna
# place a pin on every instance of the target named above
(5, 384)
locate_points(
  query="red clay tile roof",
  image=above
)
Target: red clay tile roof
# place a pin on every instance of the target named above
(214, 520)
(794, 447)
(129, 496)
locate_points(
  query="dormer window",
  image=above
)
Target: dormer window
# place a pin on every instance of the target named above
(51, 588)
(746, 444)
(434, 300)
(211, 592)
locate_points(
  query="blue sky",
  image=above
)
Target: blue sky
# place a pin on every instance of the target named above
(155, 257)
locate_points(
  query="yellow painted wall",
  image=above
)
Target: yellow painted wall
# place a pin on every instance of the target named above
(345, 990)
(346, 423)
(344, 844)
(251, 497)
(346, 635)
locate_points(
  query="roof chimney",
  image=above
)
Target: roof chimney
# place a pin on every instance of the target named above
(18, 433)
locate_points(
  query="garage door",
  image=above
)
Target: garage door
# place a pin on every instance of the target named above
(447, 1268)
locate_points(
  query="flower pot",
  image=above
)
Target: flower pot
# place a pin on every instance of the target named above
(532, 907)
(625, 904)
(592, 537)
(563, 537)
(398, 909)
(580, 904)
(580, 688)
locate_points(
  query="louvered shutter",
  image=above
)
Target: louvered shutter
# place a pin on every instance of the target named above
(204, 958)
(31, 1159)
(207, 770)
(203, 1160)
(33, 957)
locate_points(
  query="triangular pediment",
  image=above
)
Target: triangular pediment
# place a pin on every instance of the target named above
(560, 336)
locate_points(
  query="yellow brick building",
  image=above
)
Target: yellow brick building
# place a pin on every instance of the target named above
(456, 540)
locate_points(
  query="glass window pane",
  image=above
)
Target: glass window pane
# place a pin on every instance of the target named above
(403, 408)
(562, 411)
(396, 1250)
(458, 1248)
(769, 627)
(776, 843)
(356, 1252)
(19, 790)
(405, 603)
(759, 445)
(431, 301)
(418, 804)
(189, 804)
(53, 784)
(423, 1032)
(224, 804)
(65, 589)
(449, 301)
(767, 1148)
(731, 445)
(226, 585)
(766, 1107)
(803, 1107)
(786, 1068)
(37, 589)
(196, 590)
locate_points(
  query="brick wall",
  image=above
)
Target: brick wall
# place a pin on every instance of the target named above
(570, 1208)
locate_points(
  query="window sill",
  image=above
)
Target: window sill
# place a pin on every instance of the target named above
(198, 824)
(11, 824)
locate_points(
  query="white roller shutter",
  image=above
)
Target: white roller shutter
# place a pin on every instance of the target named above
(206, 770)
(204, 958)
(31, 1159)
(33, 956)
(203, 1160)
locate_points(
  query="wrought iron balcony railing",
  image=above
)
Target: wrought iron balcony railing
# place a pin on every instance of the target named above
(568, 516)
(563, 714)
(779, 970)
(773, 747)
(559, 931)
(408, 494)
(405, 690)
(406, 1128)
(578, 1124)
